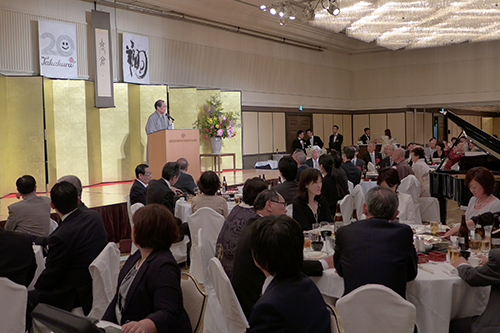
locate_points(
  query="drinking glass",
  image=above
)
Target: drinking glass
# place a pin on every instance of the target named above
(475, 243)
(338, 225)
(307, 240)
(317, 245)
(485, 246)
(453, 253)
(434, 227)
(325, 230)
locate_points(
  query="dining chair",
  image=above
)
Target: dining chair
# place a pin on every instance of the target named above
(53, 226)
(336, 323)
(194, 299)
(350, 186)
(359, 200)
(212, 222)
(231, 308)
(346, 208)
(12, 306)
(429, 209)
(375, 308)
(104, 271)
(410, 185)
(40, 265)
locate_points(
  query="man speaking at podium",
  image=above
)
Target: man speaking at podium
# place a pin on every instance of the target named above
(159, 120)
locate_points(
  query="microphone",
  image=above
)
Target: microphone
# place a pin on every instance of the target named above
(170, 117)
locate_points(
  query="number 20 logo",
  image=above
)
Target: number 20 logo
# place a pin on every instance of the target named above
(63, 46)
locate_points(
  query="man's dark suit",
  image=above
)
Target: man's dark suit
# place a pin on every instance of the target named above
(247, 279)
(66, 282)
(485, 275)
(364, 138)
(185, 183)
(159, 192)
(352, 172)
(288, 190)
(155, 293)
(310, 162)
(292, 305)
(359, 163)
(387, 162)
(137, 193)
(300, 169)
(375, 251)
(17, 260)
(316, 141)
(367, 158)
(299, 144)
(337, 145)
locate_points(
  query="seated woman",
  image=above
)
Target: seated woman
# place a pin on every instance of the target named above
(330, 182)
(421, 170)
(235, 222)
(309, 206)
(290, 301)
(339, 173)
(440, 150)
(208, 185)
(149, 297)
(388, 177)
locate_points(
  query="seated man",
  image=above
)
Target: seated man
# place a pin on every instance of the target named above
(185, 183)
(371, 155)
(487, 274)
(353, 172)
(387, 161)
(288, 170)
(76, 183)
(300, 157)
(360, 163)
(161, 190)
(247, 278)
(32, 214)
(401, 166)
(376, 250)
(66, 282)
(138, 190)
(17, 260)
(313, 162)
(290, 301)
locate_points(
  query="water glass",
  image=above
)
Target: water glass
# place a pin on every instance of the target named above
(453, 253)
(485, 245)
(434, 227)
(475, 243)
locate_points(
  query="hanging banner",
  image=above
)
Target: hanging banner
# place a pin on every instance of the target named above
(101, 27)
(57, 41)
(135, 58)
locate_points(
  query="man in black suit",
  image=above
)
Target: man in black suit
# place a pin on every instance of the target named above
(376, 250)
(366, 136)
(387, 161)
(76, 183)
(138, 190)
(353, 172)
(313, 162)
(17, 260)
(66, 282)
(300, 157)
(336, 139)
(313, 140)
(371, 155)
(161, 190)
(356, 160)
(290, 301)
(185, 183)
(247, 279)
(288, 170)
(299, 143)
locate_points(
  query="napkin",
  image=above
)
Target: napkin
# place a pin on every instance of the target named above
(371, 167)
(450, 270)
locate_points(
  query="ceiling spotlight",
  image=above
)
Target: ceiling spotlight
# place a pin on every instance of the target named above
(273, 11)
(263, 7)
(333, 8)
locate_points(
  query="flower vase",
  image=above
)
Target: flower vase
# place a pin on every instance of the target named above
(216, 143)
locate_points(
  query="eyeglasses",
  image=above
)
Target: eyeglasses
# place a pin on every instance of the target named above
(283, 203)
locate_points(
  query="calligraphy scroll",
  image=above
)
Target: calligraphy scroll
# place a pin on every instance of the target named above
(104, 97)
(135, 58)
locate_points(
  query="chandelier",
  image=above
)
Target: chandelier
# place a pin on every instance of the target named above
(304, 10)
(409, 24)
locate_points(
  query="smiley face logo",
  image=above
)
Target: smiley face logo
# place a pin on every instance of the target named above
(65, 45)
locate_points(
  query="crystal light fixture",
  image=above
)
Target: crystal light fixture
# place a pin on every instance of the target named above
(398, 24)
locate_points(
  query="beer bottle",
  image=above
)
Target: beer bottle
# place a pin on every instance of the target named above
(479, 226)
(338, 214)
(224, 185)
(463, 235)
(495, 233)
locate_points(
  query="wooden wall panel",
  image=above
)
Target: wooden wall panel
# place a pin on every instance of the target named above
(378, 124)
(420, 125)
(327, 127)
(410, 131)
(428, 127)
(317, 126)
(279, 131)
(359, 123)
(396, 122)
(347, 129)
(250, 125)
(265, 132)
(487, 125)
(496, 126)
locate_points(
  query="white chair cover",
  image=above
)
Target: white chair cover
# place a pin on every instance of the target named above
(375, 308)
(179, 250)
(411, 186)
(359, 200)
(231, 308)
(104, 271)
(127, 197)
(53, 226)
(212, 222)
(350, 186)
(289, 210)
(429, 209)
(40, 265)
(346, 208)
(194, 300)
(13, 301)
(132, 211)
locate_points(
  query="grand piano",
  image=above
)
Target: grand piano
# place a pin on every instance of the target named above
(451, 184)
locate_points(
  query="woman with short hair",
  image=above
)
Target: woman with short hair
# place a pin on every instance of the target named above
(209, 184)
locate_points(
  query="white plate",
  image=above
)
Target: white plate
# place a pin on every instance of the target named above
(315, 255)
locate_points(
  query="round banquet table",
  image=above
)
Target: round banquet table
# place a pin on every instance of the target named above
(438, 297)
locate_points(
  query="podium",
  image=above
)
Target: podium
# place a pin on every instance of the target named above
(169, 145)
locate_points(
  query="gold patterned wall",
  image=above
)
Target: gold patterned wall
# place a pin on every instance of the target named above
(21, 132)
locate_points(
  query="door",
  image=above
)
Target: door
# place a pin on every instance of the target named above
(294, 123)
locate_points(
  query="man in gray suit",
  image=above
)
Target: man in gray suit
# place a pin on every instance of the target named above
(32, 214)
(487, 274)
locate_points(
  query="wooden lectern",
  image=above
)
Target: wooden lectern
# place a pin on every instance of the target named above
(169, 145)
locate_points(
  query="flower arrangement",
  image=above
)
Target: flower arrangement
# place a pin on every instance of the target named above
(213, 122)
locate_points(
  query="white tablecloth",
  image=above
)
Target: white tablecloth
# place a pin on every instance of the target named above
(183, 209)
(367, 185)
(437, 297)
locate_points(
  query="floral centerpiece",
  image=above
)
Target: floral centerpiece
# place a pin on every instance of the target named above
(215, 124)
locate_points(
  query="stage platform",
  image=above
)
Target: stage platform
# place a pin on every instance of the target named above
(109, 199)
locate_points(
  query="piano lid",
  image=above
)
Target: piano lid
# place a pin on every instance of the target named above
(480, 138)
